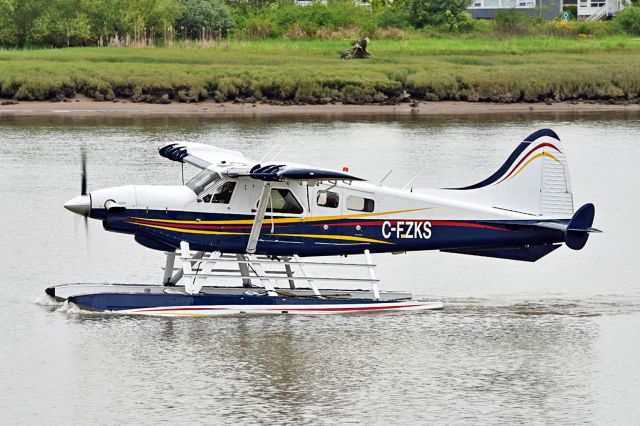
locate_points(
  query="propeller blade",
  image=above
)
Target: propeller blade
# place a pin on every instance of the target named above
(83, 155)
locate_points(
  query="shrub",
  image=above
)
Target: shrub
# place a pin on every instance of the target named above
(629, 20)
(432, 12)
(212, 15)
(513, 22)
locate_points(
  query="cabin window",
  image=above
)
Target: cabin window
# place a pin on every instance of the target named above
(221, 195)
(203, 180)
(283, 201)
(360, 204)
(328, 199)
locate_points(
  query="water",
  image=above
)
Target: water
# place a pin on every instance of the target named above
(551, 342)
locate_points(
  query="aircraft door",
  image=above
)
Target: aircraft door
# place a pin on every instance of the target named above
(357, 207)
(327, 208)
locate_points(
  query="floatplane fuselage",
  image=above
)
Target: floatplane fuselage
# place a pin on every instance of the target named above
(522, 212)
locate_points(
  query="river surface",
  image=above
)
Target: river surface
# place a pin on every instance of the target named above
(553, 342)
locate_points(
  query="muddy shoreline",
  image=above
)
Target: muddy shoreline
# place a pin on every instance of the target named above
(125, 108)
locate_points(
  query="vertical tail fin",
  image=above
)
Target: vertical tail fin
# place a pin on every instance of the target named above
(534, 179)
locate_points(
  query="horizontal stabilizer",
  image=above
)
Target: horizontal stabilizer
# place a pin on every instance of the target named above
(579, 227)
(523, 253)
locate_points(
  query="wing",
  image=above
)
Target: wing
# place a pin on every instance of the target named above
(201, 155)
(233, 164)
(281, 172)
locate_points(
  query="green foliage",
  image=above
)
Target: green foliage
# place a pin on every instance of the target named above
(61, 25)
(288, 20)
(147, 23)
(432, 12)
(629, 20)
(202, 15)
(76, 22)
(513, 22)
(8, 29)
(572, 9)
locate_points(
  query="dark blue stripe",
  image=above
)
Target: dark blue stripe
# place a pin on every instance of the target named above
(502, 170)
(123, 301)
(540, 133)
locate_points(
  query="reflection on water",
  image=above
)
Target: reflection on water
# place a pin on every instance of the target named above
(549, 342)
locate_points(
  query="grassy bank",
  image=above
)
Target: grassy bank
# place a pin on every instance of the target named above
(277, 71)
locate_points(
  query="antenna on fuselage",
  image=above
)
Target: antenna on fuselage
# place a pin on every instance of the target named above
(267, 152)
(276, 156)
(385, 176)
(412, 179)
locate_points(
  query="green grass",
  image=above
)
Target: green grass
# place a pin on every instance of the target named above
(509, 70)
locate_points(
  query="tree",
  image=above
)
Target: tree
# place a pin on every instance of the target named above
(8, 30)
(207, 14)
(62, 24)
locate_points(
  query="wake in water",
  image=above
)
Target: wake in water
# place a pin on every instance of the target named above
(61, 306)
(590, 306)
(46, 300)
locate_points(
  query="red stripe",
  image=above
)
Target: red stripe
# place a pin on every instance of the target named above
(527, 156)
(283, 308)
(433, 223)
(467, 225)
(363, 223)
(374, 308)
(192, 226)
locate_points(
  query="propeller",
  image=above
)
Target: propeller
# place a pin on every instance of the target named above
(83, 157)
(81, 204)
(83, 185)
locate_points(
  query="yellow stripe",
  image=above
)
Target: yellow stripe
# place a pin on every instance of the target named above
(190, 231)
(280, 220)
(334, 237)
(542, 154)
(327, 237)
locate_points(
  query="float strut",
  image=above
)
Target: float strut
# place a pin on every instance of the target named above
(287, 268)
(168, 267)
(312, 284)
(244, 270)
(266, 282)
(372, 275)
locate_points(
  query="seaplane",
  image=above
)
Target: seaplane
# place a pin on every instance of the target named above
(262, 224)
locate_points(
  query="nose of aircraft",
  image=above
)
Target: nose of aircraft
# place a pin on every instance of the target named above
(80, 205)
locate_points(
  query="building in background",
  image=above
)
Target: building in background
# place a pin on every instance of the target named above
(486, 9)
(591, 10)
(599, 10)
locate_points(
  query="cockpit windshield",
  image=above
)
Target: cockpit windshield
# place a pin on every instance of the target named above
(203, 180)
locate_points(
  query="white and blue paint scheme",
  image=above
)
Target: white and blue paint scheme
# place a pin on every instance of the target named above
(235, 206)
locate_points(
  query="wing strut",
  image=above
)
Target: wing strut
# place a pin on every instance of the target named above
(259, 218)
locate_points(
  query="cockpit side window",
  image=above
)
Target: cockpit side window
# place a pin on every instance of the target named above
(203, 180)
(221, 195)
(328, 199)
